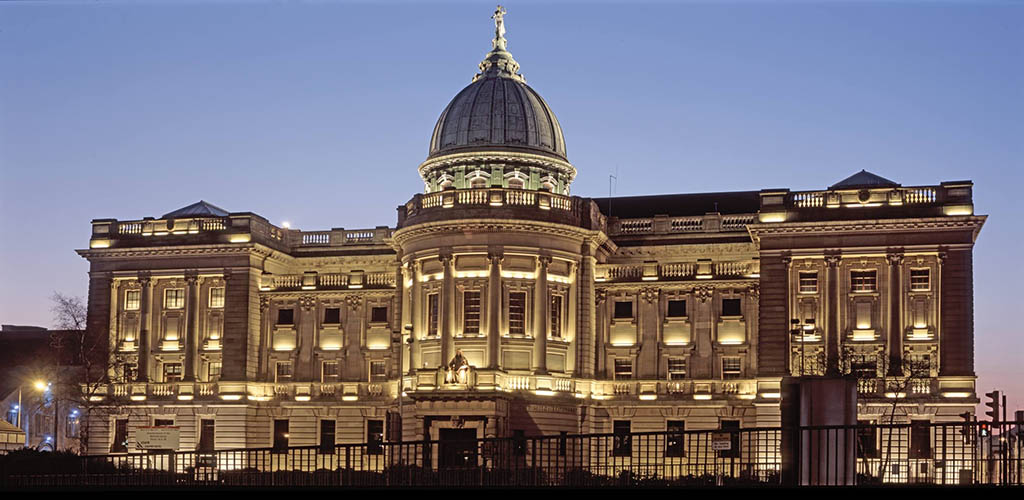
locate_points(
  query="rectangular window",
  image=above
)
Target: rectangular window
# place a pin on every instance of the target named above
(517, 313)
(734, 438)
(327, 437)
(378, 314)
(920, 280)
(129, 372)
(519, 442)
(731, 307)
(284, 371)
(217, 297)
(622, 441)
(163, 422)
(676, 368)
(675, 440)
(863, 281)
(132, 299)
(471, 313)
(556, 316)
(864, 368)
(809, 282)
(731, 368)
(213, 371)
(280, 436)
(206, 428)
(174, 298)
(623, 369)
(433, 316)
(286, 316)
(920, 439)
(378, 371)
(330, 371)
(676, 309)
(172, 372)
(867, 439)
(332, 316)
(120, 441)
(624, 310)
(374, 437)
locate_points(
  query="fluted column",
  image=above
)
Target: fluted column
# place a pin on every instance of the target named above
(895, 259)
(404, 273)
(191, 320)
(145, 308)
(494, 309)
(416, 308)
(447, 309)
(832, 332)
(569, 331)
(541, 315)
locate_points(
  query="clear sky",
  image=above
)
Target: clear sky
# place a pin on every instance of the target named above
(318, 113)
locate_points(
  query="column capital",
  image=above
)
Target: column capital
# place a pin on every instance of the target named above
(833, 257)
(145, 278)
(787, 258)
(495, 253)
(445, 258)
(544, 260)
(942, 255)
(894, 256)
(191, 276)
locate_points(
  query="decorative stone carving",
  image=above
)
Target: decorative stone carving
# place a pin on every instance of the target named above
(832, 258)
(754, 291)
(649, 294)
(145, 278)
(354, 301)
(307, 302)
(600, 295)
(191, 276)
(264, 303)
(894, 256)
(703, 293)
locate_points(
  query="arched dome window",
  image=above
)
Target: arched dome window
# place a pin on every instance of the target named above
(515, 183)
(478, 183)
(548, 184)
(445, 181)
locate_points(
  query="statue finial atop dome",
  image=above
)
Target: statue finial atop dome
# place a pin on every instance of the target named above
(498, 61)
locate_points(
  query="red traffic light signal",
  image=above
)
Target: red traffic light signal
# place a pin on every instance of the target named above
(984, 430)
(993, 403)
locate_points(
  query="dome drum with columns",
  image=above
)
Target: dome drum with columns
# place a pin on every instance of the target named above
(498, 132)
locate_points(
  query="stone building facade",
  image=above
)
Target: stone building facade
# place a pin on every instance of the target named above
(575, 315)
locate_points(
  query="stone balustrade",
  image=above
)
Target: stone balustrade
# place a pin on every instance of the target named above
(946, 199)
(500, 203)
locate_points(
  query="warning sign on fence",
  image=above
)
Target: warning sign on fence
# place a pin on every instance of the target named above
(157, 438)
(721, 441)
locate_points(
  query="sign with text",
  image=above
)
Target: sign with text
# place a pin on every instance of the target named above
(157, 438)
(721, 441)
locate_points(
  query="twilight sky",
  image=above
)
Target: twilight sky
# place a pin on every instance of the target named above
(319, 112)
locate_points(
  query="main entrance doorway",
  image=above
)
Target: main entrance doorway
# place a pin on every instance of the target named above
(458, 448)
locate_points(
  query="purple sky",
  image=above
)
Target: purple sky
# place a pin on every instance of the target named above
(318, 113)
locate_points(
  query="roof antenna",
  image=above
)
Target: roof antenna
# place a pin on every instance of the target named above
(611, 177)
(716, 207)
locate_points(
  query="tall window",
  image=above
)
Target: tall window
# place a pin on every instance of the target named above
(379, 315)
(471, 313)
(556, 316)
(378, 371)
(809, 282)
(731, 368)
(675, 440)
(206, 428)
(280, 436)
(920, 280)
(330, 371)
(286, 316)
(867, 439)
(433, 317)
(172, 372)
(332, 316)
(132, 300)
(624, 309)
(623, 369)
(217, 297)
(213, 371)
(327, 437)
(676, 368)
(731, 307)
(174, 298)
(863, 281)
(374, 437)
(920, 439)
(676, 309)
(622, 441)
(517, 313)
(284, 371)
(120, 441)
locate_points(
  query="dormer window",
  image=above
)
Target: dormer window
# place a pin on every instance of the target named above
(515, 183)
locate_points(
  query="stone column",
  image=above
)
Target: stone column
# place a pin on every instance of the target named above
(191, 322)
(305, 367)
(569, 330)
(145, 308)
(447, 309)
(416, 308)
(494, 309)
(586, 329)
(406, 318)
(832, 260)
(895, 259)
(541, 315)
(262, 370)
(599, 350)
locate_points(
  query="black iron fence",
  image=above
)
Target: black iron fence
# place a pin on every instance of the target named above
(950, 454)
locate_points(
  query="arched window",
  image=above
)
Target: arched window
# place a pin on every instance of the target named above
(515, 183)
(478, 183)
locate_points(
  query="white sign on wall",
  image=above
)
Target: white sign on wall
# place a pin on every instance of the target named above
(721, 441)
(157, 438)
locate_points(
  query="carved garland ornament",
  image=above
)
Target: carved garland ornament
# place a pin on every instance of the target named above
(307, 302)
(703, 293)
(354, 301)
(649, 294)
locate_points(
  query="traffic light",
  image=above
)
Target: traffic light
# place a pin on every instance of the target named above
(993, 403)
(984, 430)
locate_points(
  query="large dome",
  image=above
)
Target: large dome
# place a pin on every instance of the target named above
(498, 112)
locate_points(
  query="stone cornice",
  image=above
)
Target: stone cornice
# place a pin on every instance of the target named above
(719, 250)
(405, 234)
(973, 222)
(494, 157)
(230, 249)
(676, 285)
